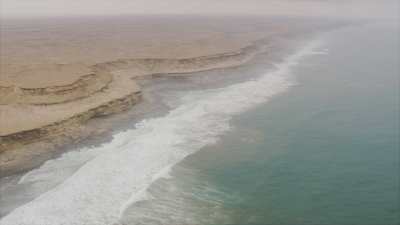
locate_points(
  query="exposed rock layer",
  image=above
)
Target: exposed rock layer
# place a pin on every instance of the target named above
(56, 114)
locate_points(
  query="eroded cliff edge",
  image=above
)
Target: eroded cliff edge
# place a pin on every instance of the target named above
(54, 111)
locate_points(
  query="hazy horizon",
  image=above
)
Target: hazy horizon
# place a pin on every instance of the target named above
(387, 9)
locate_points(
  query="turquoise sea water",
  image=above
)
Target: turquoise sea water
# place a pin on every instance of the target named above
(324, 153)
(243, 146)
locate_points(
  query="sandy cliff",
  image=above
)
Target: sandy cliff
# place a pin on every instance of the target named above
(39, 105)
(57, 75)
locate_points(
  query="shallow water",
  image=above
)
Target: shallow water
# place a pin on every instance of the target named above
(320, 148)
(117, 174)
(326, 152)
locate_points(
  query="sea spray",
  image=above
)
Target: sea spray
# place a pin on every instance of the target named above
(118, 173)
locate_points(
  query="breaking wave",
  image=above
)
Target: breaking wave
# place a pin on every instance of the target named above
(117, 174)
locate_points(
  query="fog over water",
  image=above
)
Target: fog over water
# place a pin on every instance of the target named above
(315, 8)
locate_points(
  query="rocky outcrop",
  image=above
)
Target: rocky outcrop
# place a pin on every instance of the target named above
(88, 82)
(152, 66)
(55, 113)
(68, 127)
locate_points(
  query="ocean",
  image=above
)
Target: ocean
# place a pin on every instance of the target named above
(308, 138)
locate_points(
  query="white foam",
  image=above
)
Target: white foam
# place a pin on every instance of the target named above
(117, 174)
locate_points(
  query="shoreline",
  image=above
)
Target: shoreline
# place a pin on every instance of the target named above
(16, 153)
(50, 115)
(123, 169)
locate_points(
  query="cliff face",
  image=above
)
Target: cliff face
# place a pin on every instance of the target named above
(27, 149)
(55, 114)
(85, 86)
(151, 66)
(68, 126)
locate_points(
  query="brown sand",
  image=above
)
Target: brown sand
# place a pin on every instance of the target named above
(57, 75)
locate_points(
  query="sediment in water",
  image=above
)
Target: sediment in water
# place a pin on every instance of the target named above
(48, 115)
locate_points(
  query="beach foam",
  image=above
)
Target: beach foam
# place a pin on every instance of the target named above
(117, 174)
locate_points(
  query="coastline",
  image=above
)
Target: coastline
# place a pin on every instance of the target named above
(41, 117)
(16, 146)
(200, 113)
(134, 159)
